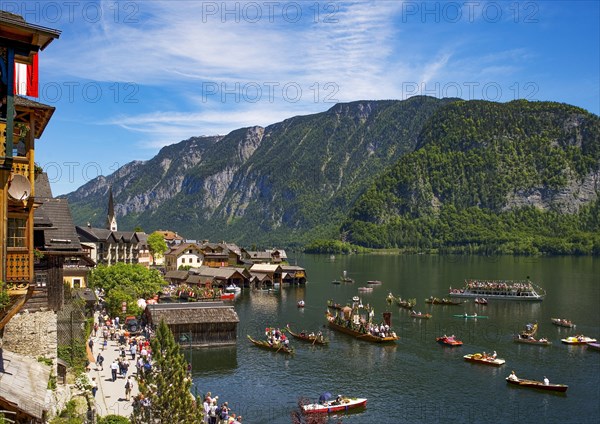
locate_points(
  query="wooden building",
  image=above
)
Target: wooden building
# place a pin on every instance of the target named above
(267, 275)
(21, 122)
(293, 274)
(218, 277)
(197, 324)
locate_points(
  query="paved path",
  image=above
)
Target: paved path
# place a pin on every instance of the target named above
(110, 398)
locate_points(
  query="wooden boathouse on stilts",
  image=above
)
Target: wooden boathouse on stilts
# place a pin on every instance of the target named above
(197, 324)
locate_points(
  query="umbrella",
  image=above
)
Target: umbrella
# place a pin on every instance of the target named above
(325, 397)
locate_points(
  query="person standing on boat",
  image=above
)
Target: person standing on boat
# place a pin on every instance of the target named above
(546, 381)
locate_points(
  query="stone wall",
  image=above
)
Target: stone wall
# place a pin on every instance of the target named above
(32, 334)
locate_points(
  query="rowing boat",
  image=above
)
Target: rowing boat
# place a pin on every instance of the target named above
(278, 348)
(342, 404)
(562, 322)
(532, 341)
(521, 382)
(444, 301)
(448, 341)
(420, 315)
(311, 338)
(470, 316)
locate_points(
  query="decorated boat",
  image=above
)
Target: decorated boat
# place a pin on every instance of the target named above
(449, 341)
(530, 330)
(352, 321)
(578, 340)
(467, 316)
(403, 303)
(521, 382)
(331, 304)
(484, 359)
(443, 301)
(345, 278)
(277, 347)
(499, 289)
(314, 338)
(561, 322)
(421, 315)
(340, 403)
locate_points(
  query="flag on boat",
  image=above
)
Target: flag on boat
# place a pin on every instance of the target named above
(26, 78)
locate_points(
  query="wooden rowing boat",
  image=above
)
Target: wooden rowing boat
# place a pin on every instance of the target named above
(562, 322)
(314, 339)
(521, 382)
(443, 301)
(278, 348)
(532, 341)
(420, 315)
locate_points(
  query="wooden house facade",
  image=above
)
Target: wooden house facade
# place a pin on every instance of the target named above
(266, 275)
(293, 274)
(197, 324)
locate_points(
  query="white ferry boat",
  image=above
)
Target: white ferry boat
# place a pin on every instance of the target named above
(500, 289)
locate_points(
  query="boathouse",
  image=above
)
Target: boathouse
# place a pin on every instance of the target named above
(266, 275)
(218, 277)
(197, 324)
(293, 274)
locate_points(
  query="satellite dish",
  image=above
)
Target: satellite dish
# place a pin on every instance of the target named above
(19, 187)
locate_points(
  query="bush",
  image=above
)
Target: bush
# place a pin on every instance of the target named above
(113, 419)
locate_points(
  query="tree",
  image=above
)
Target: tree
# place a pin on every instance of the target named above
(157, 245)
(166, 387)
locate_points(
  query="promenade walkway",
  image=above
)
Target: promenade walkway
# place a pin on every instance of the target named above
(110, 397)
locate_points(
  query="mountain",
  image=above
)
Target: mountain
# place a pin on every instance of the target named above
(285, 184)
(518, 177)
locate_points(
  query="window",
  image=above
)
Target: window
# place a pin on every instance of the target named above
(41, 279)
(17, 232)
(76, 283)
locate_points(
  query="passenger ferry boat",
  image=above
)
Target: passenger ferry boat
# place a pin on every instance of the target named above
(500, 289)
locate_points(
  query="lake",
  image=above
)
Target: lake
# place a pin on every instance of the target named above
(416, 380)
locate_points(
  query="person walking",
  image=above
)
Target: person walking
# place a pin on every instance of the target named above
(114, 367)
(100, 361)
(94, 386)
(128, 387)
(91, 345)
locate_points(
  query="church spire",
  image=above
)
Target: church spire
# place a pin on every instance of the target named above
(111, 219)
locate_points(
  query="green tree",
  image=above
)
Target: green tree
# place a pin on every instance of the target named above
(157, 245)
(167, 385)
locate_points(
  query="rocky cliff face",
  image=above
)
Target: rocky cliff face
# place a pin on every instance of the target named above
(299, 178)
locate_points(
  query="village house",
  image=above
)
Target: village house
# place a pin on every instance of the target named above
(222, 277)
(273, 256)
(184, 255)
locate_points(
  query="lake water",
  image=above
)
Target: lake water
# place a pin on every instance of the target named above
(416, 380)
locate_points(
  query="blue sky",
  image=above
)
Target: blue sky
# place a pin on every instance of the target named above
(129, 77)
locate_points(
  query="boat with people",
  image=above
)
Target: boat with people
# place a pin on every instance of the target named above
(578, 340)
(419, 314)
(467, 316)
(542, 385)
(448, 341)
(483, 358)
(357, 321)
(481, 301)
(500, 289)
(312, 337)
(443, 301)
(374, 282)
(345, 278)
(365, 289)
(532, 340)
(331, 304)
(278, 347)
(561, 322)
(327, 404)
(403, 303)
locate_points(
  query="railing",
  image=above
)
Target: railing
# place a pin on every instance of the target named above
(18, 267)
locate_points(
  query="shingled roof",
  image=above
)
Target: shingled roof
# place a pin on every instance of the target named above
(192, 313)
(24, 383)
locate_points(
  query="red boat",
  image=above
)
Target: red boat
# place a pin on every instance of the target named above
(339, 404)
(227, 296)
(449, 341)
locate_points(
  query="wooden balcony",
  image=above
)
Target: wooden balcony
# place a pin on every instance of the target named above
(18, 269)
